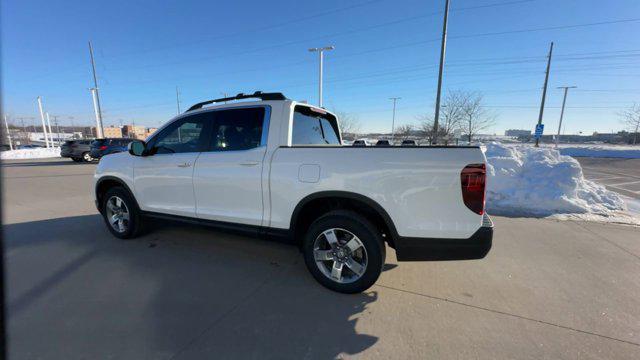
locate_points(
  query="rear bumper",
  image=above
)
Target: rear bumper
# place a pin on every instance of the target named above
(429, 249)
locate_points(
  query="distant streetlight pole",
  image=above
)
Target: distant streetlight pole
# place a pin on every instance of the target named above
(50, 132)
(6, 125)
(178, 99)
(96, 95)
(44, 127)
(443, 48)
(564, 100)
(321, 57)
(393, 118)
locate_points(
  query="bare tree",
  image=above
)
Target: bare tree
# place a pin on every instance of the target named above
(404, 131)
(451, 115)
(475, 116)
(631, 118)
(349, 123)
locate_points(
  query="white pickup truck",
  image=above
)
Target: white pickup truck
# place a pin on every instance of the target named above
(276, 168)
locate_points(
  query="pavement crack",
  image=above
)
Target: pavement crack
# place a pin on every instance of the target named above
(605, 239)
(508, 314)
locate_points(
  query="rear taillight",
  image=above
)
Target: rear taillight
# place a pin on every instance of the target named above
(472, 179)
(103, 147)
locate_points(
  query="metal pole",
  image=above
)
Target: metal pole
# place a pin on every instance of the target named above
(443, 48)
(6, 125)
(55, 123)
(178, 100)
(94, 93)
(544, 90)
(44, 128)
(97, 95)
(393, 118)
(50, 132)
(564, 100)
(321, 58)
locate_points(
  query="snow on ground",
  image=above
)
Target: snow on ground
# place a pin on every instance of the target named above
(601, 151)
(38, 153)
(528, 181)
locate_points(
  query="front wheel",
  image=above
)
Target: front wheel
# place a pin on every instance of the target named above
(121, 214)
(344, 251)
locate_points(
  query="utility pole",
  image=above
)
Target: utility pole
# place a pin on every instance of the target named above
(544, 90)
(50, 132)
(96, 95)
(44, 128)
(6, 125)
(178, 99)
(443, 48)
(321, 57)
(55, 123)
(393, 118)
(96, 108)
(564, 100)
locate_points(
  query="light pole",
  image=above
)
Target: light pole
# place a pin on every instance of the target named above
(6, 125)
(321, 55)
(564, 100)
(44, 127)
(96, 109)
(393, 118)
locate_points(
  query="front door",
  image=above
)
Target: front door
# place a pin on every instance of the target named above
(163, 180)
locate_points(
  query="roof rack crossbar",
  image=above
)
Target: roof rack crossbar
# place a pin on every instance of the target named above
(258, 94)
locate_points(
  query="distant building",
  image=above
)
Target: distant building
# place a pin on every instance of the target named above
(517, 133)
(150, 131)
(134, 132)
(112, 132)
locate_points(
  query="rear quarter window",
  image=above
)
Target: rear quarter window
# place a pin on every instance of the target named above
(314, 128)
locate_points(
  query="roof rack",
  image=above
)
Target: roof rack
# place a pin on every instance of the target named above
(258, 94)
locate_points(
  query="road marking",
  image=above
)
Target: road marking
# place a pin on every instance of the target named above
(623, 189)
(610, 173)
(626, 183)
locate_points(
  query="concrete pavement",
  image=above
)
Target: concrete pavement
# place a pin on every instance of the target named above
(619, 175)
(548, 289)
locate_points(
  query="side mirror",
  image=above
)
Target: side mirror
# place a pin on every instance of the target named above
(137, 148)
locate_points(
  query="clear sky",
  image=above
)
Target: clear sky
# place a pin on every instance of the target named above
(384, 48)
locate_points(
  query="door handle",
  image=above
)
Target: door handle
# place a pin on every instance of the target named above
(184, 165)
(249, 163)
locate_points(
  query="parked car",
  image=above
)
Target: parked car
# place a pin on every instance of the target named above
(103, 147)
(276, 168)
(383, 143)
(30, 146)
(77, 150)
(408, 143)
(359, 143)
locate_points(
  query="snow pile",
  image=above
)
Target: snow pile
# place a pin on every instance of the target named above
(626, 152)
(528, 181)
(37, 153)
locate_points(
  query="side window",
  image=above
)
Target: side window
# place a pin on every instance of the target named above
(311, 128)
(237, 129)
(186, 135)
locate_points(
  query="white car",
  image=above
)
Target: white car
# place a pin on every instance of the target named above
(276, 168)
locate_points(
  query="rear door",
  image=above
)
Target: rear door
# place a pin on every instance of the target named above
(164, 180)
(227, 178)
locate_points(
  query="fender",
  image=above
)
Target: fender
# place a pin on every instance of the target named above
(120, 182)
(344, 195)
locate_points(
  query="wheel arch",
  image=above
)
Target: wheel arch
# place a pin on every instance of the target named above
(314, 205)
(107, 182)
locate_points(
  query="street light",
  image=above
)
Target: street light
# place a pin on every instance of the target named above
(320, 53)
(564, 100)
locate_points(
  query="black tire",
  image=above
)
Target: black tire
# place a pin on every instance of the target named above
(369, 236)
(133, 225)
(76, 159)
(86, 157)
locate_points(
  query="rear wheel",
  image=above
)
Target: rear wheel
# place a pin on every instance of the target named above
(76, 159)
(121, 214)
(344, 251)
(86, 157)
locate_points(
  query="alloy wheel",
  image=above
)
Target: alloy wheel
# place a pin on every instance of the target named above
(340, 255)
(117, 214)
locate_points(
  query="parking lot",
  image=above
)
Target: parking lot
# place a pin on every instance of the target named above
(548, 289)
(619, 175)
